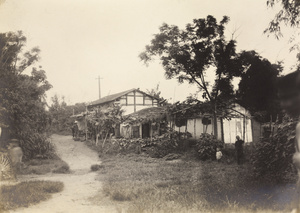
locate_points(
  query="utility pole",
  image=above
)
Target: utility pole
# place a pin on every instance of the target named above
(99, 86)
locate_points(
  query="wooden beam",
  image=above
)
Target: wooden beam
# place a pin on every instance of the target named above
(134, 101)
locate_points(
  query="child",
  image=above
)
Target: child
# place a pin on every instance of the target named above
(219, 154)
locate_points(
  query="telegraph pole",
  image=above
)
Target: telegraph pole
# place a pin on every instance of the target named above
(99, 86)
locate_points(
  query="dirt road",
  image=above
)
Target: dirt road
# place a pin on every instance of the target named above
(78, 186)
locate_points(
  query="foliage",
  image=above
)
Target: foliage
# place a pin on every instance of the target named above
(64, 169)
(22, 106)
(186, 185)
(190, 53)
(288, 15)
(206, 146)
(155, 92)
(43, 166)
(272, 159)
(60, 114)
(191, 107)
(154, 115)
(257, 88)
(28, 193)
(96, 167)
(103, 120)
(36, 145)
(158, 146)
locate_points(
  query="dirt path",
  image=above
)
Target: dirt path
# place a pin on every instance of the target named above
(78, 186)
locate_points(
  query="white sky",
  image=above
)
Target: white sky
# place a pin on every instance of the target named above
(81, 39)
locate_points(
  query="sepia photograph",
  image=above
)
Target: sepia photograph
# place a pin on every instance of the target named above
(149, 106)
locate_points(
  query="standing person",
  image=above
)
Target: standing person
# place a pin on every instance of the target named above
(239, 149)
(75, 129)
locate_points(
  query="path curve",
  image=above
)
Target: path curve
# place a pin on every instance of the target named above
(80, 185)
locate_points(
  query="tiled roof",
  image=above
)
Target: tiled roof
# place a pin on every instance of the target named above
(110, 98)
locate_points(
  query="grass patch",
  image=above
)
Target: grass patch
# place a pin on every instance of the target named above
(63, 169)
(186, 185)
(44, 166)
(27, 193)
(96, 167)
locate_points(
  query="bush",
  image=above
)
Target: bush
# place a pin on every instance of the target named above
(156, 147)
(36, 145)
(272, 158)
(206, 146)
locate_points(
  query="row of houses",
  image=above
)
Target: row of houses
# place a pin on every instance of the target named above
(147, 117)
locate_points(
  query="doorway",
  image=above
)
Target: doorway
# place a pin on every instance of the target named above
(146, 130)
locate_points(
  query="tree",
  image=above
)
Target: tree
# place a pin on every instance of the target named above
(60, 113)
(22, 106)
(105, 120)
(257, 88)
(189, 54)
(155, 92)
(288, 15)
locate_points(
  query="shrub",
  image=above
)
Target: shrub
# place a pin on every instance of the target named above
(206, 146)
(36, 145)
(229, 153)
(272, 158)
(157, 146)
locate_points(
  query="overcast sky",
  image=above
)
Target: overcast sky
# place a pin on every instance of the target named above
(81, 39)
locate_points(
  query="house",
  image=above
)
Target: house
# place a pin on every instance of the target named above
(135, 105)
(238, 122)
(145, 123)
(130, 101)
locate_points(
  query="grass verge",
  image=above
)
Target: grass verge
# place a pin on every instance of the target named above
(44, 166)
(137, 183)
(28, 193)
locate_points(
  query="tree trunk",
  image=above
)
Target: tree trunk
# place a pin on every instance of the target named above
(222, 130)
(104, 140)
(215, 121)
(186, 123)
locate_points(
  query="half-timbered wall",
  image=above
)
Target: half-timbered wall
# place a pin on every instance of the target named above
(135, 101)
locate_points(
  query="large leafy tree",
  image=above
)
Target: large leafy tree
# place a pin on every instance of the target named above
(257, 88)
(189, 54)
(22, 105)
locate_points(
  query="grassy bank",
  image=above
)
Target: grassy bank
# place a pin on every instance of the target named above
(25, 194)
(138, 183)
(44, 166)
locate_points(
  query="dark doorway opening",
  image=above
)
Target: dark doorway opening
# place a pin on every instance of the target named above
(136, 131)
(146, 130)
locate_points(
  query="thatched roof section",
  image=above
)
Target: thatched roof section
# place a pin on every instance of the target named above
(151, 114)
